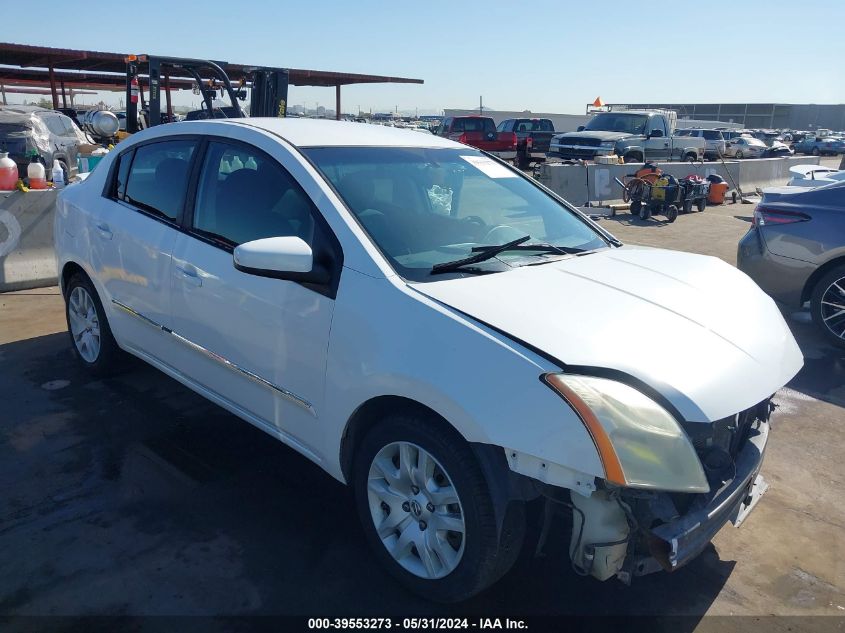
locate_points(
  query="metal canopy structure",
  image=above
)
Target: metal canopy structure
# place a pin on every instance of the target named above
(59, 68)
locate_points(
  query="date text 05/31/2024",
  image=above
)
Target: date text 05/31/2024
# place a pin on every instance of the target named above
(412, 624)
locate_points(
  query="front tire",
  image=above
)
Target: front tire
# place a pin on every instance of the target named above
(90, 335)
(827, 304)
(426, 509)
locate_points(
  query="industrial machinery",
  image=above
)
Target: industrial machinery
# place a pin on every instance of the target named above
(268, 86)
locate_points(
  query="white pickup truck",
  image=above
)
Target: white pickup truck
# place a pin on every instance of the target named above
(635, 135)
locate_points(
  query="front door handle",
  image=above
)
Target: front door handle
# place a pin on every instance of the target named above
(104, 231)
(189, 275)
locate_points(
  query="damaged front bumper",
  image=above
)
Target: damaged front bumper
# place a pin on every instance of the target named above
(673, 543)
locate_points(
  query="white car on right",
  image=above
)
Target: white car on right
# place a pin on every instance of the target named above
(745, 147)
(814, 175)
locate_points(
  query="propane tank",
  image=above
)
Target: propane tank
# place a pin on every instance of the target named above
(58, 175)
(101, 123)
(8, 172)
(36, 173)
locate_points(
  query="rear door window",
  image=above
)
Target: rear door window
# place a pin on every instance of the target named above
(158, 177)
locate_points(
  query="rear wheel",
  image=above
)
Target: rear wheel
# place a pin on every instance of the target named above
(89, 329)
(426, 510)
(816, 151)
(633, 158)
(701, 204)
(690, 158)
(827, 305)
(738, 154)
(645, 212)
(687, 206)
(672, 213)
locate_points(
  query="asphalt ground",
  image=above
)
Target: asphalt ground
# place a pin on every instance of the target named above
(132, 496)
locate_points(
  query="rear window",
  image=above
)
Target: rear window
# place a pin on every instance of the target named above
(13, 129)
(534, 125)
(474, 125)
(713, 135)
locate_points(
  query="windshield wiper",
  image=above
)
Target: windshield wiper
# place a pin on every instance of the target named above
(489, 253)
(542, 247)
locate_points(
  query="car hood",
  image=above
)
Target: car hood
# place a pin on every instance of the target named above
(693, 328)
(604, 136)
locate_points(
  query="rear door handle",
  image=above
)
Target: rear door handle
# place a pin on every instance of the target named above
(189, 275)
(105, 231)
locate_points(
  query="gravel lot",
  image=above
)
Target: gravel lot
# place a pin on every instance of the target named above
(132, 496)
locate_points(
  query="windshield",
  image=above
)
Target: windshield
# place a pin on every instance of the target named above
(616, 122)
(424, 207)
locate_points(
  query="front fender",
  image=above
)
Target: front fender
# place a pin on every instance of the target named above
(484, 384)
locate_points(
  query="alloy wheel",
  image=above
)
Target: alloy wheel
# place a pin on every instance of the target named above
(833, 308)
(84, 324)
(416, 510)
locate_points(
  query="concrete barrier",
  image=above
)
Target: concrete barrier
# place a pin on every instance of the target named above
(27, 256)
(596, 184)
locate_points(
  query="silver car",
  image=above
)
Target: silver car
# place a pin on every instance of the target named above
(795, 251)
(745, 147)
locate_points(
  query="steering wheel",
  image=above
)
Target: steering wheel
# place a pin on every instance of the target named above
(501, 234)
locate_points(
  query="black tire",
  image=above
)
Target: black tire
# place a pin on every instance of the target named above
(485, 557)
(738, 154)
(816, 151)
(521, 160)
(110, 357)
(687, 206)
(701, 204)
(645, 212)
(834, 327)
(671, 213)
(690, 158)
(636, 206)
(633, 158)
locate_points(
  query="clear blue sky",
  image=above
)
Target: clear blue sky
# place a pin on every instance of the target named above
(552, 56)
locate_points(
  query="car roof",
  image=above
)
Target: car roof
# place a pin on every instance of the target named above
(328, 133)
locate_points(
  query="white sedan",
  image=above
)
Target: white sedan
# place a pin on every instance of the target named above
(438, 331)
(745, 147)
(814, 176)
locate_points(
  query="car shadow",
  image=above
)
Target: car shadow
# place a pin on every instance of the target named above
(823, 374)
(163, 503)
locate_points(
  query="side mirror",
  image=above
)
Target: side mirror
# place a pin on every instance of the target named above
(282, 257)
(580, 128)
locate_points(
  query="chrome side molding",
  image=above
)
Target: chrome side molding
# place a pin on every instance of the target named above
(285, 393)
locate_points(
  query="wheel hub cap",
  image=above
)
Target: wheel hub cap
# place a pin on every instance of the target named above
(416, 510)
(84, 324)
(833, 308)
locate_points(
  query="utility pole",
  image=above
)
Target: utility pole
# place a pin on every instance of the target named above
(480, 105)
